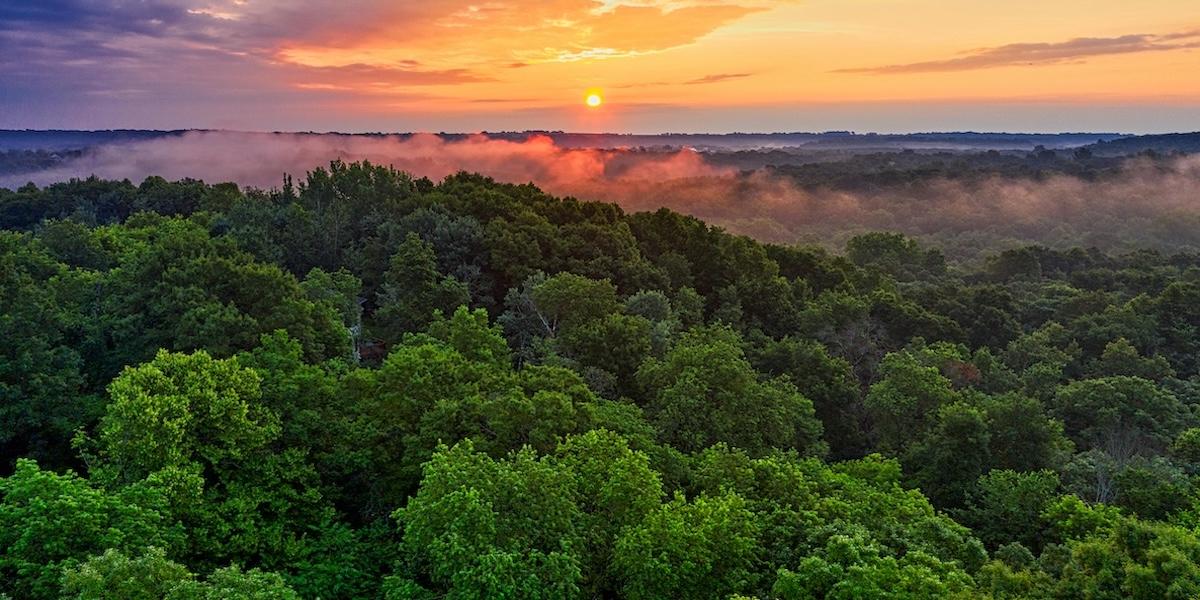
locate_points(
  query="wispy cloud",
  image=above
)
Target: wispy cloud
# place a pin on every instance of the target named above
(1032, 54)
(368, 77)
(714, 78)
(717, 78)
(504, 100)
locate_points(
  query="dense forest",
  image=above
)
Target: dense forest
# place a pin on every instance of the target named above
(369, 385)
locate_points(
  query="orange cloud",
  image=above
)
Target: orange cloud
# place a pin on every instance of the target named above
(515, 32)
(647, 28)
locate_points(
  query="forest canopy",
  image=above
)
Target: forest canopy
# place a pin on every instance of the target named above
(365, 384)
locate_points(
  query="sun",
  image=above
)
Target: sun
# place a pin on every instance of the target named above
(593, 99)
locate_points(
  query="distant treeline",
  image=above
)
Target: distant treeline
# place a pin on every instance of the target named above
(16, 162)
(65, 139)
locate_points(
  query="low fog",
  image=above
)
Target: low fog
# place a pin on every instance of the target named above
(262, 159)
(1150, 203)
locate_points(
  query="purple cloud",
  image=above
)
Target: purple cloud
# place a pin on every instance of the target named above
(717, 78)
(1042, 53)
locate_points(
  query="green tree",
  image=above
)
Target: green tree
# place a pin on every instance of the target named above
(485, 528)
(195, 427)
(115, 575)
(1023, 437)
(703, 548)
(177, 287)
(705, 391)
(1007, 506)
(232, 583)
(616, 344)
(1018, 263)
(1179, 323)
(952, 455)
(1152, 488)
(544, 306)
(1121, 358)
(1124, 416)
(458, 383)
(827, 380)
(616, 489)
(892, 253)
(413, 290)
(181, 408)
(1186, 448)
(44, 394)
(849, 568)
(339, 290)
(802, 505)
(905, 399)
(470, 334)
(151, 576)
(50, 521)
(1137, 560)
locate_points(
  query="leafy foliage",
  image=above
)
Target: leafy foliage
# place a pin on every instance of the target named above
(369, 385)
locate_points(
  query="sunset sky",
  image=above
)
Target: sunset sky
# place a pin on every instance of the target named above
(662, 65)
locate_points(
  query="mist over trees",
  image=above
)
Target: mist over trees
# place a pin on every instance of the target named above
(366, 384)
(966, 194)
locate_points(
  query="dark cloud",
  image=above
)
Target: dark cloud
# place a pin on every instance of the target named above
(1043, 53)
(164, 52)
(104, 21)
(146, 17)
(68, 45)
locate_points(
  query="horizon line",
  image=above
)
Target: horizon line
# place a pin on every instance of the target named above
(552, 132)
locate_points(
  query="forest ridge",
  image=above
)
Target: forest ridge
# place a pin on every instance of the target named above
(599, 299)
(365, 384)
